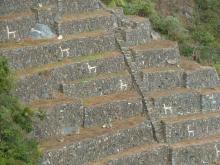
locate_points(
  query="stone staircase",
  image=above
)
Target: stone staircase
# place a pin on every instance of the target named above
(108, 93)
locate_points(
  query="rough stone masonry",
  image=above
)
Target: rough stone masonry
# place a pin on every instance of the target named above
(109, 91)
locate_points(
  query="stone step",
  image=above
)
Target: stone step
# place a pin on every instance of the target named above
(102, 84)
(188, 127)
(32, 53)
(210, 99)
(95, 143)
(58, 116)
(16, 26)
(88, 21)
(137, 32)
(195, 152)
(197, 76)
(103, 110)
(154, 79)
(79, 6)
(141, 155)
(173, 102)
(156, 53)
(40, 82)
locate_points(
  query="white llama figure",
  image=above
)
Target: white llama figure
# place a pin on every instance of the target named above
(166, 109)
(213, 99)
(91, 68)
(217, 151)
(40, 5)
(9, 33)
(190, 132)
(123, 86)
(64, 51)
(37, 31)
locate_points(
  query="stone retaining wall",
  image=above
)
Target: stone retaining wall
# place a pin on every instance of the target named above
(31, 56)
(98, 86)
(90, 24)
(205, 77)
(116, 110)
(43, 83)
(96, 148)
(58, 120)
(17, 28)
(191, 129)
(164, 79)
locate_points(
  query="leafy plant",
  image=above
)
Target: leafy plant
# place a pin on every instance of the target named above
(200, 39)
(16, 148)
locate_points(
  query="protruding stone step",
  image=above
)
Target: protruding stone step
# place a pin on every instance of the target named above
(157, 53)
(103, 110)
(102, 84)
(197, 76)
(196, 152)
(210, 99)
(188, 127)
(57, 117)
(141, 155)
(40, 82)
(153, 79)
(78, 6)
(95, 143)
(173, 102)
(29, 53)
(16, 26)
(89, 21)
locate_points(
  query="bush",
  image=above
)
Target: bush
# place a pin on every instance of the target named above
(15, 124)
(201, 37)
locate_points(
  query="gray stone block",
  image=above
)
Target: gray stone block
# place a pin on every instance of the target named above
(72, 24)
(41, 82)
(203, 77)
(94, 144)
(60, 116)
(104, 110)
(16, 26)
(98, 85)
(203, 151)
(191, 127)
(30, 54)
(41, 31)
(156, 54)
(160, 78)
(158, 155)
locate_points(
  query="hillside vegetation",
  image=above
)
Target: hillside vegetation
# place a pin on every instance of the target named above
(198, 38)
(15, 124)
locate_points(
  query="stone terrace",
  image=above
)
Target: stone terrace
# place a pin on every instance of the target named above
(109, 92)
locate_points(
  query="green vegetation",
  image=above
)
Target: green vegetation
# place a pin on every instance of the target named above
(199, 38)
(16, 148)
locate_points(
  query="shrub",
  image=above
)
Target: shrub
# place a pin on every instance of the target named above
(201, 36)
(16, 148)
